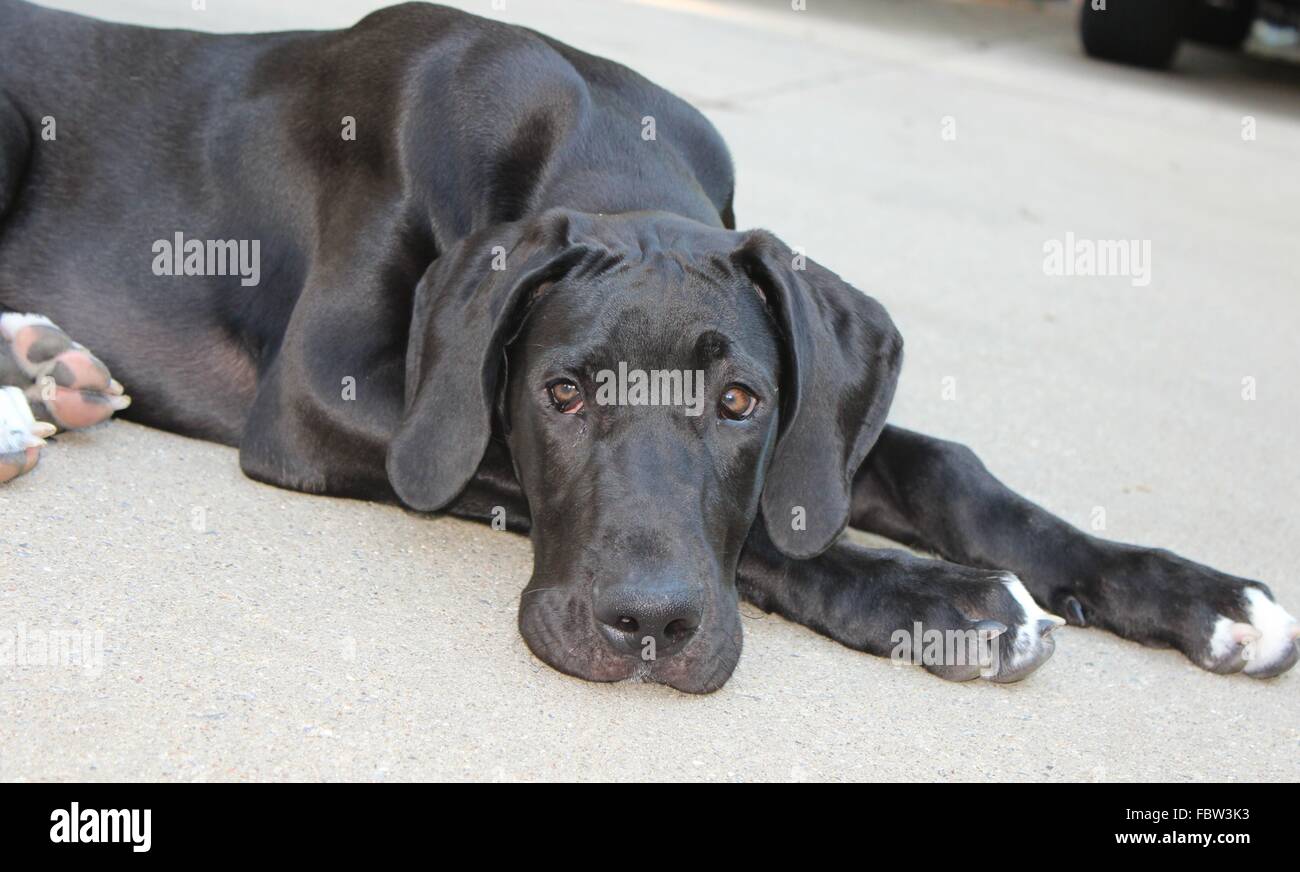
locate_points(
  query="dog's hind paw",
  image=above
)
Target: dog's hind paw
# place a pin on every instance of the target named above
(1262, 646)
(64, 383)
(21, 435)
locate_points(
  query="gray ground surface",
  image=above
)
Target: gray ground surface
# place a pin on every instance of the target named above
(302, 637)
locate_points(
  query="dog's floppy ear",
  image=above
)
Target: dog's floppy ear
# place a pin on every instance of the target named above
(842, 357)
(465, 308)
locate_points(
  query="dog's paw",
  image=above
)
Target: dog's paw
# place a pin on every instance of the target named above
(64, 383)
(1262, 645)
(1031, 643)
(1002, 634)
(21, 435)
(1220, 622)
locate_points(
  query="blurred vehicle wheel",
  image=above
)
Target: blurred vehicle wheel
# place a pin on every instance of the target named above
(1141, 32)
(1223, 23)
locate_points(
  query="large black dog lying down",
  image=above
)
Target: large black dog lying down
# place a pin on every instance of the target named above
(464, 228)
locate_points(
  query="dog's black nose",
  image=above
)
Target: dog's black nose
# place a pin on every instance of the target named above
(650, 617)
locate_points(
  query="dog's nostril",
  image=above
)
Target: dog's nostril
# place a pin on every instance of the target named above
(628, 625)
(678, 630)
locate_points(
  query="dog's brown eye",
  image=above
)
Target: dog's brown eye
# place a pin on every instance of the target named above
(566, 396)
(736, 403)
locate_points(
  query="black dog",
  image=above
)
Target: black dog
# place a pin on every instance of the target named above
(463, 230)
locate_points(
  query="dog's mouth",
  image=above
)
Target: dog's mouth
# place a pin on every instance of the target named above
(559, 627)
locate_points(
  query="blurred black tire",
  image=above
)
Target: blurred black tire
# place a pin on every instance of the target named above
(1226, 25)
(1140, 32)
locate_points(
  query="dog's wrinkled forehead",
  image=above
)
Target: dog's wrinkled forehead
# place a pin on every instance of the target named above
(652, 287)
(653, 307)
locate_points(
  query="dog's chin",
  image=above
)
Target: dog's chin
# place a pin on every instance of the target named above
(558, 628)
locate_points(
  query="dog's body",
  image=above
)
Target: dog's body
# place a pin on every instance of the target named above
(431, 190)
(224, 137)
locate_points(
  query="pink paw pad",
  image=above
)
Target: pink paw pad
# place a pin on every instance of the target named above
(62, 380)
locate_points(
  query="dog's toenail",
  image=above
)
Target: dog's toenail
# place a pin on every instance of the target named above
(1074, 611)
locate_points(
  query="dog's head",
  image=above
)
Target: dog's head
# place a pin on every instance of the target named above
(658, 383)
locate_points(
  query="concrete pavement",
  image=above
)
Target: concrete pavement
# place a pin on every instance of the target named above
(236, 631)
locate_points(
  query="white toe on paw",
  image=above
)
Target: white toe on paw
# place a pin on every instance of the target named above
(1267, 639)
(1275, 632)
(12, 322)
(1030, 631)
(18, 429)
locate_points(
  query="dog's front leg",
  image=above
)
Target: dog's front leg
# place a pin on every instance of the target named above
(937, 495)
(957, 621)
